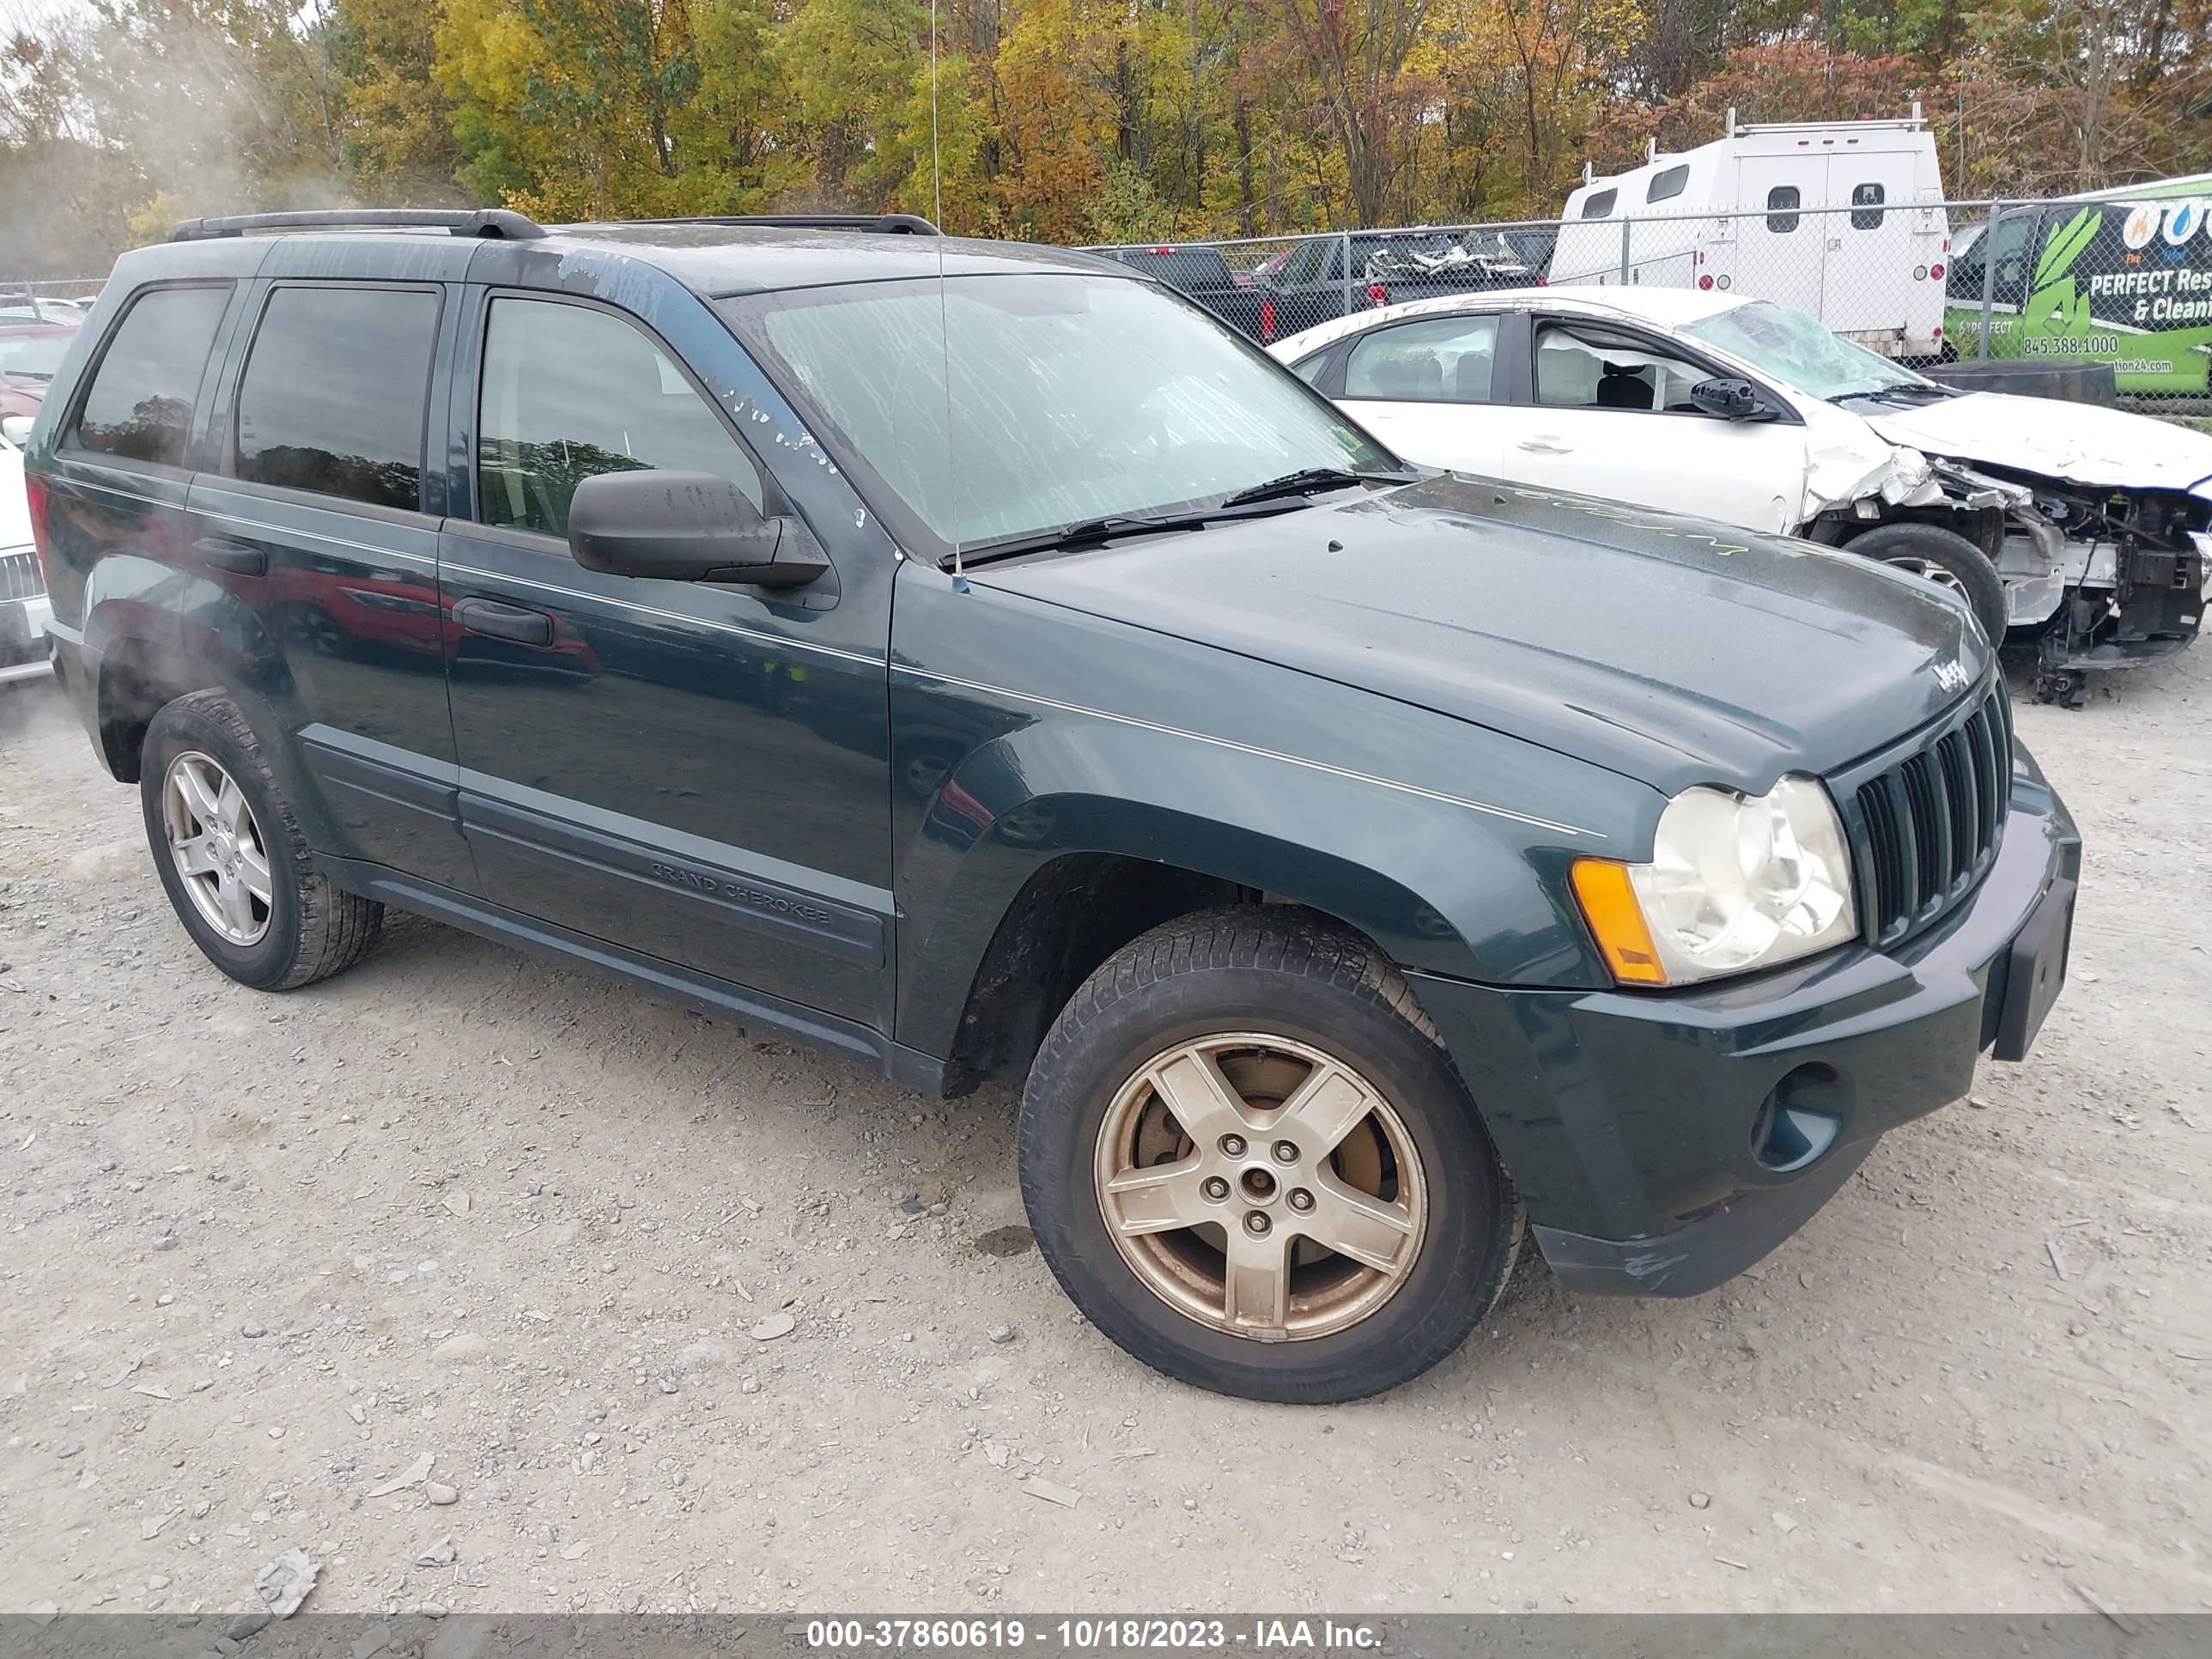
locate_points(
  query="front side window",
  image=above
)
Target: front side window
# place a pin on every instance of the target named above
(1600, 204)
(1866, 207)
(1439, 360)
(140, 403)
(1782, 203)
(1589, 368)
(1071, 397)
(570, 392)
(334, 391)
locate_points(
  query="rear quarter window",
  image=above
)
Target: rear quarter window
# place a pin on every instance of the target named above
(139, 405)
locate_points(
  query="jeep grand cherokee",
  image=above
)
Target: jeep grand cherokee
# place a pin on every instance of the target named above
(978, 661)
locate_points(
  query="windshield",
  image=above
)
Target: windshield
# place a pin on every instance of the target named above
(1796, 350)
(1071, 397)
(33, 356)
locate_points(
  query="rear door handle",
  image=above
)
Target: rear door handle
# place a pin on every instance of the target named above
(504, 622)
(238, 558)
(1545, 446)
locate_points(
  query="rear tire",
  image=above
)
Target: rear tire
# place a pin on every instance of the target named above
(1344, 1121)
(228, 847)
(1946, 559)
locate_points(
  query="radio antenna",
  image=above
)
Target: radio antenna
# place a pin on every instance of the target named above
(944, 322)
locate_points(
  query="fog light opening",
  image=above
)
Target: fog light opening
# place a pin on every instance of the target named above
(1795, 1125)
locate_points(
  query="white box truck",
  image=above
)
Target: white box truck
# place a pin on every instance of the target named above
(1843, 219)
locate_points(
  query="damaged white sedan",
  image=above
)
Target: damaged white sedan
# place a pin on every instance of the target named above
(2084, 529)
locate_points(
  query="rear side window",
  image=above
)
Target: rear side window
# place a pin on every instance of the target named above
(334, 391)
(1667, 184)
(1185, 268)
(1439, 360)
(1782, 203)
(1304, 264)
(570, 393)
(1600, 204)
(1864, 196)
(139, 406)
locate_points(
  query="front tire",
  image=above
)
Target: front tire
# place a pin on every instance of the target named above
(1248, 1160)
(228, 847)
(1946, 559)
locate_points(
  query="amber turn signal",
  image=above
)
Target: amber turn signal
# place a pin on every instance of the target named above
(1616, 920)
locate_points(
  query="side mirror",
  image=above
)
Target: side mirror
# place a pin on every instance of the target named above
(16, 428)
(686, 526)
(1731, 398)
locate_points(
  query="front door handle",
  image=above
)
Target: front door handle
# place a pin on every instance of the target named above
(504, 622)
(1545, 446)
(238, 558)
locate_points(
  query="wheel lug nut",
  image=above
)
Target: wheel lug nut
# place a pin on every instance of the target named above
(1232, 1145)
(1301, 1198)
(1256, 1224)
(1215, 1189)
(1286, 1153)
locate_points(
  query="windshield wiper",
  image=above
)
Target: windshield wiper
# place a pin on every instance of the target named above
(1307, 480)
(1910, 392)
(1084, 532)
(1258, 501)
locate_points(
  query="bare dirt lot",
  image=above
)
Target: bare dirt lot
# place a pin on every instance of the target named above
(457, 1270)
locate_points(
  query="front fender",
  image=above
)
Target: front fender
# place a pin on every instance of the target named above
(993, 782)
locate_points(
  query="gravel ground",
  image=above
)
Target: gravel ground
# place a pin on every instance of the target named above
(466, 1276)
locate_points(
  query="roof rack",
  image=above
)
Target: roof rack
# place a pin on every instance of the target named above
(906, 224)
(494, 223)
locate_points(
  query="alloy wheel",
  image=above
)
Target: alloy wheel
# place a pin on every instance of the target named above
(1928, 570)
(216, 843)
(1261, 1186)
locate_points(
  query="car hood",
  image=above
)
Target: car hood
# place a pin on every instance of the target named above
(2079, 443)
(1668, 649)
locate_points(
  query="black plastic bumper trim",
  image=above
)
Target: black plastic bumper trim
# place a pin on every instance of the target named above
(1695, 1257)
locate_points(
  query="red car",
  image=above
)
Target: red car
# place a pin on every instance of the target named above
(30, 352)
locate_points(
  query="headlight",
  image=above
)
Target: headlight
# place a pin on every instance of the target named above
(1735, 883)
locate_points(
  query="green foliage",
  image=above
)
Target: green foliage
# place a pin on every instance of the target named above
(1060, 120)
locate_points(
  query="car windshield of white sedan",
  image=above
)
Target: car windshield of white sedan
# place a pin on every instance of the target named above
(1796, 350)
(1070, 398)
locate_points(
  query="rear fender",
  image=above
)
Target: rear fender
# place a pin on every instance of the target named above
(156, 632)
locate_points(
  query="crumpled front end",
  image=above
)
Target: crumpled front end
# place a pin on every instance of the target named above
(1864, 476)
(2111, 578)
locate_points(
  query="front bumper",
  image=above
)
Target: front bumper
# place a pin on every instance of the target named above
(1652, 1134)
(24, 651)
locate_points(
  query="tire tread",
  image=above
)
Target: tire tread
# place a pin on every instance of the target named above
(337, 929)
(1291, 941)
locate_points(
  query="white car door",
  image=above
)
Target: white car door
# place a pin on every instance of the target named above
(1612, 416)
(1426, 388)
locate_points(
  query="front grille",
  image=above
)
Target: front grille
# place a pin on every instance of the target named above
(1925, 828)
(18, 576)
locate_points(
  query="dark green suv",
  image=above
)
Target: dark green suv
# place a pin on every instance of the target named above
(978, 660)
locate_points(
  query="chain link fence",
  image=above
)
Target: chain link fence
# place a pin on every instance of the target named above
(48, 299)
(2123, 284)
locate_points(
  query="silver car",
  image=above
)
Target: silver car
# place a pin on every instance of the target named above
(24, 651)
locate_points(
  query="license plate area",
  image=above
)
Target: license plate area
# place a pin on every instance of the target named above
(2035, 970)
